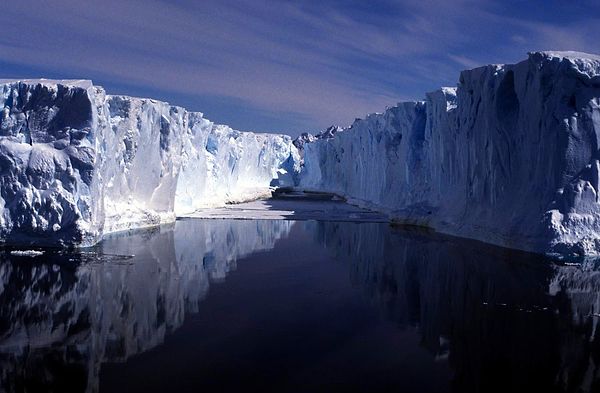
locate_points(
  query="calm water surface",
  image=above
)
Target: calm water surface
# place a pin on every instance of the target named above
(291, 306)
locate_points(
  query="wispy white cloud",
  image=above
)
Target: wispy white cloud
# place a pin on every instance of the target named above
(464, 61)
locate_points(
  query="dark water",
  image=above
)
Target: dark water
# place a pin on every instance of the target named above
(278, 306)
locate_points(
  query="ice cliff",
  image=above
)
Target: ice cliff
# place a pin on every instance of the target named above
(508, 157)
(77, 163)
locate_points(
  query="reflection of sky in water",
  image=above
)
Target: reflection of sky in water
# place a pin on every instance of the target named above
(314, 305)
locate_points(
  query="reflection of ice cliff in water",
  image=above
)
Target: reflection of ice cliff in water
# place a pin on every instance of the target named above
(59, 319)
(503, 320)
(507, 321)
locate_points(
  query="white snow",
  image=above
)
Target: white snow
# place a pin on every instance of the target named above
(82, 83)
(76, 163)
(510, 157)
(571, 55)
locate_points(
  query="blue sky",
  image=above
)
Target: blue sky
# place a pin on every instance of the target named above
(282, 66)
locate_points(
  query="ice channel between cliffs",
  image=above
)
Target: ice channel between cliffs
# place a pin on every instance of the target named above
(77, 163)
(509, 157)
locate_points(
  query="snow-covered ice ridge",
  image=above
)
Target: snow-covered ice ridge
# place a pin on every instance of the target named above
(77, 163)
(508, 157)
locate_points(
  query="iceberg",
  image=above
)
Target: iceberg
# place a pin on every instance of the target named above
(77, 163)
(510, 157)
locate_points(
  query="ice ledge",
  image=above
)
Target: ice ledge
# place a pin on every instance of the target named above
(571, 55)
(82, 83)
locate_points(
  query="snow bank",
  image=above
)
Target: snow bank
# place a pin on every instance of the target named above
(76, 163)
(510, 157)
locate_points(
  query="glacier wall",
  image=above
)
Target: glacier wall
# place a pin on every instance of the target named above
(77, 163)
(508, 157)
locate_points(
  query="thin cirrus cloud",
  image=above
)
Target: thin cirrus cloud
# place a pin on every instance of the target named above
(280, 66)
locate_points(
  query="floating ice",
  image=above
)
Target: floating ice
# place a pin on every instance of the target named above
(26, 253)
